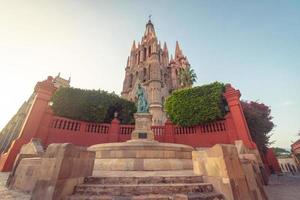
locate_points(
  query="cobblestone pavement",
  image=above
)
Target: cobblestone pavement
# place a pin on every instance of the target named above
(6, 194)
(285, 187)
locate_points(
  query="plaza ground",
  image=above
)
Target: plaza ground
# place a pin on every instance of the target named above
(285, 187)
(6, 194)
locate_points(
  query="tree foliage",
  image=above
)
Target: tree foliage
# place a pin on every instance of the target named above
(280, 151)
(259, 120)
(198, 105)
(187, 77)
(92, 105)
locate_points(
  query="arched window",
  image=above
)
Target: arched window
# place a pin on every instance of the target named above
(165, 78)
(144, 74)
(149, 51)
(149, 72)
(145, 54)
(136, 75)
(139, 57)
(130, 80)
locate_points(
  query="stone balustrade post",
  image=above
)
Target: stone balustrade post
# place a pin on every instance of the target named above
(169, 132)
(236, 111)
(114, 130)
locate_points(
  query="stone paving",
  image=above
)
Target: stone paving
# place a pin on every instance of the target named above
(285, 187)
(6, 194)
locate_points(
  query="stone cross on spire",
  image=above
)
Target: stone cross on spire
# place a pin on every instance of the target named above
(149, 32)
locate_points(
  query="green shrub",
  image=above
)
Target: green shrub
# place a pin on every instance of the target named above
(198, 105)
(92, 105)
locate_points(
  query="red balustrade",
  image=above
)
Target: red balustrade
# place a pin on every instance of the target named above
(42, 124)
(159, 132)
(214, 127)
(65, 124)
(83, 133)
(126, 129)
(97, 128)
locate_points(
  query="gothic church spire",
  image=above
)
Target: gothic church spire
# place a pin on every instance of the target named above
(150, 31)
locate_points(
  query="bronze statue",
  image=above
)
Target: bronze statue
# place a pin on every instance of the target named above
(142, 103)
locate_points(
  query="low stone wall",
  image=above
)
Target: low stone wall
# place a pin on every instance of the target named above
(23, 174)
(54, 174)
(26, 174)
(237, 179)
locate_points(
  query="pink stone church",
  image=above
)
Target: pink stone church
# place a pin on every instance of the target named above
(149, 64)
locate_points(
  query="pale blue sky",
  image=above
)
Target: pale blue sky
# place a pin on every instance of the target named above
(254, 45)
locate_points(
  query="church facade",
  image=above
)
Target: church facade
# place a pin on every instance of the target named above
(150, 65)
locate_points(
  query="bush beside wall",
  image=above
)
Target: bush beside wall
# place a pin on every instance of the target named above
(92, 105)
(197, 105)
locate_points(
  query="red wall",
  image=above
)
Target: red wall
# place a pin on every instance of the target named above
(62, 130)
(41, 123)
(271, 161)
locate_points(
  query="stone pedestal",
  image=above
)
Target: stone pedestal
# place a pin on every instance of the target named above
(142, 129)
(142, 152)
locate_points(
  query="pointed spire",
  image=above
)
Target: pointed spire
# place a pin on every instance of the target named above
(133, 46)
(187, 61)
(149, 32)
(178, 51)
(165, 48)
(171, 60)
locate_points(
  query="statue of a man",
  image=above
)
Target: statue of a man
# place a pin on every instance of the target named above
(142, 103)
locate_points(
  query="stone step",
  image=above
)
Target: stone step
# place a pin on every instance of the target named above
(96, 197)
(143, 180)
(142, 189)
(200, 196)
(192, 196)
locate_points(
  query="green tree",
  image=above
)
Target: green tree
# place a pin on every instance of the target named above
(197, 105)
(92, 105)
(280, 151)
(260, 124)
(187, 77)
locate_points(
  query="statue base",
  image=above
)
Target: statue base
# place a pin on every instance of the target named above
(142, 131)
(142, 152)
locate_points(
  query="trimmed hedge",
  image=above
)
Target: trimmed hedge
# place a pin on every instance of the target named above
(92, 105)
(198, 105)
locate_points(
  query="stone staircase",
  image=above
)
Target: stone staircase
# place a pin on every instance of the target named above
(145, 188)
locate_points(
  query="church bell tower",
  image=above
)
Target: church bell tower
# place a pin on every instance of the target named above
(149, 65)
